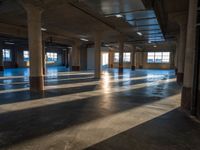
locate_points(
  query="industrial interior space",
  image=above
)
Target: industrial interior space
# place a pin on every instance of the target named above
(100, 74)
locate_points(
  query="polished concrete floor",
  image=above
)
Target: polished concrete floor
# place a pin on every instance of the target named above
(138, 110)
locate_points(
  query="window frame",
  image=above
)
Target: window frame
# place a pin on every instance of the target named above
(161, 56)
(116, 60)
(7, 59)
(116, 57)
(26, 56)
(125, 57)
(51, 56)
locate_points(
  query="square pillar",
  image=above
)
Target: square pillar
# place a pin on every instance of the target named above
(75, 56)
(97, 56)
(1, 57)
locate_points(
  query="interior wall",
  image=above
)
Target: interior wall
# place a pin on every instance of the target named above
(83, 58)
(13, 63)
(125, 64)
(91, 58)
(154, 65)
(141, 62)
(60, 61)
(17, 58)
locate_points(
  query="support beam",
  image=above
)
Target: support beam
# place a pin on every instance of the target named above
(133, 59)
(181, 54)
(181, 19)
(111, 58)
(176, 59)
(35, 47)
(140, 60)
(97, 56)
(44, 57)
(76, 56)
(189, 56)
(1, 57)
(121, 52)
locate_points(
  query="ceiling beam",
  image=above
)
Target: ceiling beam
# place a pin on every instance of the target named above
(148, 25)
(140, 19)
(126, 12)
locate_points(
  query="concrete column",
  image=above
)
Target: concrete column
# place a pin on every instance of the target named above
(44, 57)
(83, 57)
(189, 56)
(65, 58)
(137, 59)
(141, 60)
(75, 56)
(181, 54)
(176, 56)
(111, 57)
(121, 52)
(133, 60)
(35, 48)
(1, 57)
(97, 56)
(172, 60)
(70, 57)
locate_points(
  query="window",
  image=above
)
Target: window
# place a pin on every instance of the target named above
(26, 55)
(158, 57)
(116, 57)
(127, 57)
(166, 57)
(52, 57)
(105, 59)
(6, 55)
(150, 57)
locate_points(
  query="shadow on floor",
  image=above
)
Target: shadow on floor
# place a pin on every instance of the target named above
(18, 126)
(20, 96)
(171, 131)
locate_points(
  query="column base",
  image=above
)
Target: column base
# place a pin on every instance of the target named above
(75, 68)
(140, 67)
(1, 68)
(111, 65)
(176, 71)
(198, 105)
(44, 71)
(132, 67)
(179, 78)
(36, 84)
(186, 97)
(120, 70)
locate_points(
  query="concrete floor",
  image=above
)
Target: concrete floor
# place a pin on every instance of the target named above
(138, 110)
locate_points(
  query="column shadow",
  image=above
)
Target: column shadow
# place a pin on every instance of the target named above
(171, 131)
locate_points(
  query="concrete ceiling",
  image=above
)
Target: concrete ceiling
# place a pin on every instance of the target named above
(75, 19)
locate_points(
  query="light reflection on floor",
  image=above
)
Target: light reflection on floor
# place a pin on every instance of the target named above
(80, 111)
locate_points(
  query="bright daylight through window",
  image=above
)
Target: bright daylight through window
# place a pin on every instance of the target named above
(158, 57)
(52, 57)
(6, 55)
(126, 57)
(26, 55)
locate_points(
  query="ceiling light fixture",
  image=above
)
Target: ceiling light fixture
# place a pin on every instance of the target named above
(82, 39)
(139, 33)
(155, 46)
(106, 45)
(119, 16)
(9, 43)
(149, 42)
(43, 29)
